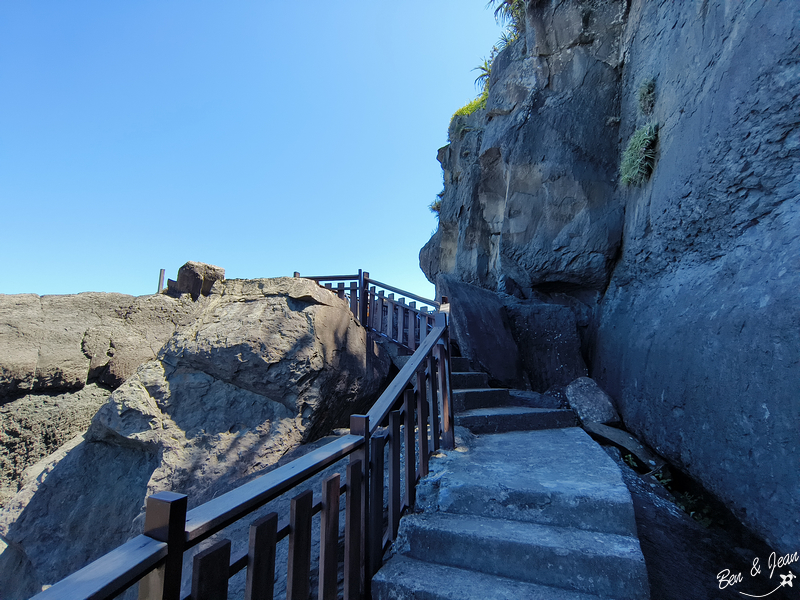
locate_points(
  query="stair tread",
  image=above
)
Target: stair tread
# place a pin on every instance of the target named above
(548, 476)
(483, 389)
(512, 410)
(478, 527)
(430, 581)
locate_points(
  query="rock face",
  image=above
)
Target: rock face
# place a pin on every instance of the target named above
(265, 365)
(36, 425)
(60, 358)
(56, 344)
(694, 322)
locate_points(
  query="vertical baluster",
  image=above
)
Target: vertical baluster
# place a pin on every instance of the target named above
(297, 578)
(423, 324)
(359, 425)
(390, 317)
(354, 300)
(329, 286)
(260, 582)
(434, 400)
(401, 312)
(352, 535)
(165, 521)
(422, 425)
(448, 433)
(363, 282)
(377, 444)
(379, 312)
(412, 326)
(394, 473)
(210, 572)
(329, 538)
(411, 463)
(340, 290)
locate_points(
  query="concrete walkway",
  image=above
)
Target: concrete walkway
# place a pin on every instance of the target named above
(538, 514)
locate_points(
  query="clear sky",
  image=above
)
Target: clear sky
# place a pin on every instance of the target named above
(264, 137)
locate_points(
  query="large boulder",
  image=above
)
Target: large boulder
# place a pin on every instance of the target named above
(266, 365)
(480, 328)
(195, 278)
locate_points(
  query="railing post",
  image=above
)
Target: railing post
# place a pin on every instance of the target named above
(359, 425)
(363, 278)
(165, 521)
(435, 396)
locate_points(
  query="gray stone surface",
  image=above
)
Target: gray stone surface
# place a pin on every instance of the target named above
(481, 330)
(695, 335)
(553, 477)
(548, 343)
(698, 332)
(590, 402)
(264, 366)
(514, 418)
(407, 579)
(589, 562)
(467, 399)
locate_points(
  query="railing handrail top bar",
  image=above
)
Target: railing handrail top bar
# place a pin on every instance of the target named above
(384, 404)
(399, 291)
(330, 277)
(216, 514)
(114, 571)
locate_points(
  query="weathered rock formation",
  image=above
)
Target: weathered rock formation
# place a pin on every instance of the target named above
(60, 358)
(689, 280)
(263, 366)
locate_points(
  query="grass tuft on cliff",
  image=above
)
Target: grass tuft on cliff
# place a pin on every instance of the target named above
(646, 96)
(639, 157)
(477, 104)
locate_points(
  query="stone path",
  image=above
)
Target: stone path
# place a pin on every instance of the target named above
(537, 510)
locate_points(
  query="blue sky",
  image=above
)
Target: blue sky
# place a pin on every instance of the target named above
(263, 137)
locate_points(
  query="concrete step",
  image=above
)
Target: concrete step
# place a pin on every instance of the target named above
(555, 477)
(584, 561)
(500, 419)
(467, 399)
(535, 399)
(460, 364)
(468, 380)
(404, 578)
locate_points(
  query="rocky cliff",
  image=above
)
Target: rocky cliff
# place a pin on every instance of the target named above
(686, 283)
(257, 368)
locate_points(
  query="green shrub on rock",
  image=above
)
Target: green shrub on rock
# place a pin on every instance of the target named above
(639, 157)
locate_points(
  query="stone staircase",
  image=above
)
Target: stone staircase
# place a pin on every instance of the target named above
(536, 510)
(482, 409)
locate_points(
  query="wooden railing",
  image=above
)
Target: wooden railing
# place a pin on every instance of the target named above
(413, 416)
(374, 304)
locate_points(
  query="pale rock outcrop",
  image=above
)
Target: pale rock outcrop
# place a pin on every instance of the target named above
(56, 344)
(265, 365)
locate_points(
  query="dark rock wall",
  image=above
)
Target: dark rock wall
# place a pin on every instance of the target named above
(699, 331)
(690, 280)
